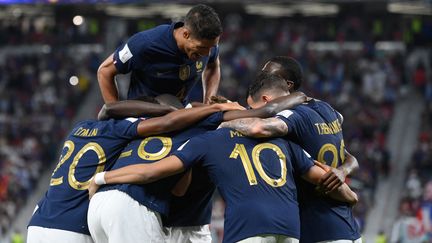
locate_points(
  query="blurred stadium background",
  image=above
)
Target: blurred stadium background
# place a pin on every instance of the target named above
(369, 59)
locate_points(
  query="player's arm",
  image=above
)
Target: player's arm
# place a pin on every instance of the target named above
(339, 191)
(180, 119)
(182, 185)
(138, 174)
(105, 75)
(337, 175)
(258, 128)
(211, 80)
(133, 108)
(270, 109)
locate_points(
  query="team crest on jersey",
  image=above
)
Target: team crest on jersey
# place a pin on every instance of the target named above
(184, 72)
(199, 66)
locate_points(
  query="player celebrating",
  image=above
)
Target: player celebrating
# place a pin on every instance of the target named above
(91, 147)
(168, 58)
(110, 220)
(254, 177)
(316, 127)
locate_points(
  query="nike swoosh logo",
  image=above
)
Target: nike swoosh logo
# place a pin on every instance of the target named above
(163, 73)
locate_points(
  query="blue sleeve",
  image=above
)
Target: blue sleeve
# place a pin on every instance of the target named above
(292, 119)
(212, 121)
(127, 128)
(132, 54)
(192, 151)
(214, 54)
(300, 160)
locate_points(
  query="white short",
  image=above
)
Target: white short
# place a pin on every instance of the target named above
(191, 234)
(36, 234)
(114, 217)
(359, 240)
(269, 238)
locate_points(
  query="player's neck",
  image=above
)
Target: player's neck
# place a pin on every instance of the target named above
(178, 37)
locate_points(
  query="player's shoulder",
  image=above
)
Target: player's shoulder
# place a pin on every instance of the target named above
(154, 35)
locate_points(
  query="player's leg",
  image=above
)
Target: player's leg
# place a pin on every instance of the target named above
(125, 220)
(269, 238)
(37, 234)
(94, 216)
(193, 234)
(359, 240)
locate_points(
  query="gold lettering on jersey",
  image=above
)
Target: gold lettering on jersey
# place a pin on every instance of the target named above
(126, 154)
(235, 134)
(328, 128)
(199, 66)
(86, 132)
(184, 72)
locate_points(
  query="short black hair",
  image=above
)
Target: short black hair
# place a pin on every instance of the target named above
(291, 69)
(267, 81)
(203, 22)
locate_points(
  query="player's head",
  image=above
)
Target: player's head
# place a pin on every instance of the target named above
(266, 87)
(286, 67)
(202, 28)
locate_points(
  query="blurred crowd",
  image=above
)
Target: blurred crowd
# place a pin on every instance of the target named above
(37, 105)
(49, 30)
(38, 102)
(414, 222)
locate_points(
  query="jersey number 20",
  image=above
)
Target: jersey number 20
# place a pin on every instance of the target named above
(73, 182)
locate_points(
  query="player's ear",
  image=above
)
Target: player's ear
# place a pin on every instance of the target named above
(186, 33)
(290, 85)
(266, 98)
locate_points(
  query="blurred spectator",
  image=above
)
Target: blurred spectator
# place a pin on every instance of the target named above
(413, 185)
(407, 229)
(37, 104)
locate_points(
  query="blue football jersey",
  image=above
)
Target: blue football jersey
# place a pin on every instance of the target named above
(157, 65)
(91, 147)
(157, 195)
(195, 207)
(254, 177)
(316, 127)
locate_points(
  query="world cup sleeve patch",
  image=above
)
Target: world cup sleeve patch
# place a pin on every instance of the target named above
(125, 54)
(285, 113)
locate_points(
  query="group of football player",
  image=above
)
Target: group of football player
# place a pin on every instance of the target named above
(151, 165)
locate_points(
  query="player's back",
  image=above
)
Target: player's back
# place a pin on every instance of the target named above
(254, 177)
(91, 147)
(316, 127)
(157, 195)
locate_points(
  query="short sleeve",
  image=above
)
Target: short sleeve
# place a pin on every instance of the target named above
(214, 54)
(300, 160)
(212, 121)
(291, 118)
(126, 128)
(132, 54)
(192, 151)
(339, 116)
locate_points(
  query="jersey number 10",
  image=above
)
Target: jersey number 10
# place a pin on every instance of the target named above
(240, 150)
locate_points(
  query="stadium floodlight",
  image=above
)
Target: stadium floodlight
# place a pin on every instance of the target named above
(78, 20)
(414, 8)
(73, 80)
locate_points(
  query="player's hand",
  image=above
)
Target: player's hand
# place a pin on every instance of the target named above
(331, 180)
(92, 188)
(230, 106)
(217, 99)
